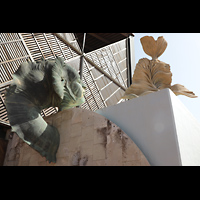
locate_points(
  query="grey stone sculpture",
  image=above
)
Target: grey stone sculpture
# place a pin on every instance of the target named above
(37, 86)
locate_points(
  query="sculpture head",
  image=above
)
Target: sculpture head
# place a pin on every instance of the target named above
(67, 84)
(50, 83)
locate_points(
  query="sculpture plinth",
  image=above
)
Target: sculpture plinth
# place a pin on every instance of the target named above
(161, 126)
(86, 139)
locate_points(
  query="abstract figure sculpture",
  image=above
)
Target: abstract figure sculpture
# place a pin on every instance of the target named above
(153, 75)
(37, 86)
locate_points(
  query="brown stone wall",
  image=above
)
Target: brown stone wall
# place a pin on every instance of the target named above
(86, 139)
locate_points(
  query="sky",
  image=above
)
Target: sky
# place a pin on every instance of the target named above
(183, 56)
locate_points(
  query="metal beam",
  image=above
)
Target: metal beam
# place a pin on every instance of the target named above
(130, 59)
(90, 61)
(68, 43)
(82, 57)
(105, 73)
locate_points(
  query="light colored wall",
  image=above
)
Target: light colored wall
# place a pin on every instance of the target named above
(161, 126)
(188, 132)
(86, 139)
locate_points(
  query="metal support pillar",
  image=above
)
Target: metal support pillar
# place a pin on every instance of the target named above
(130, 59)
(82, 58)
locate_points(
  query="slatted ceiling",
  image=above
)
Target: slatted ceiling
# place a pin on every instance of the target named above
(12, 53)
(100, 91)
(109, 90)
(3, 112)
(66, 50)
(119, 47)
(47, 45)
(120, 56)
(92, 90)
(124, 74)
(104, 58)
(98, 96)
(32, 46)
(43, 46)
(92, 95)
(119, 94)
(55, 45)
(110, 95)
(121, 64)
(104, 86)
(3, 77)
(69, 53)
(96, 73)
(9, 68)
(92, 103)
(49, 111)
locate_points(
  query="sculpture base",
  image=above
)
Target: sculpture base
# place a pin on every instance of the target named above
(161, 126)
(86, 139)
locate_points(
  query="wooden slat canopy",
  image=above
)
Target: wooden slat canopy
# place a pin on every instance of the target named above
(104, 69)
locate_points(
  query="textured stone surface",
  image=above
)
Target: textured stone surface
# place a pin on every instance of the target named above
(86, 139)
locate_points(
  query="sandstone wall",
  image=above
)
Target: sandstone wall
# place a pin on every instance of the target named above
(86, 139)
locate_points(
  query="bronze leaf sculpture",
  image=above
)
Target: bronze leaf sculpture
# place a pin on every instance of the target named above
(37, 86)
(153, 75)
